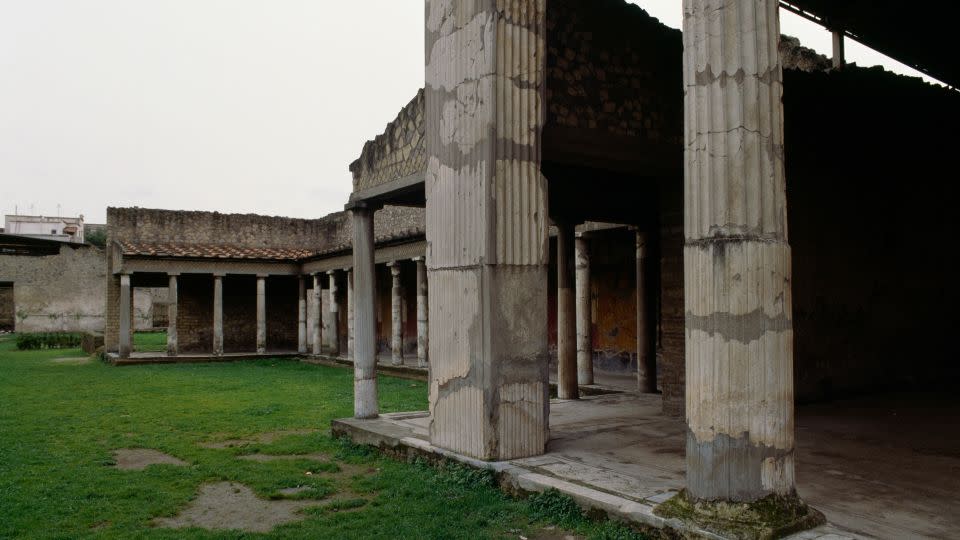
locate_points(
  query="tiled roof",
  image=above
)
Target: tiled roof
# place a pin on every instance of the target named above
(212, 251)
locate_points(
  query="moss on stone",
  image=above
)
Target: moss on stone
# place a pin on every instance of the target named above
(773, 516)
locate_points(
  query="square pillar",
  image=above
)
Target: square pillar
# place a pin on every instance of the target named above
(349, 272)
(218, 314)
(396, 317)
(301, 315)
(126, 309)
(334, 330)
(646, 361)
(365, 403)
(739, 328)
(584, 311)
(261, 314)
(172, 300)
(486, 223)
(316, 317)
(566, 315)
(423, 340)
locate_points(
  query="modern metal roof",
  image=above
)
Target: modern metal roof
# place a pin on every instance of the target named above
(921, 34)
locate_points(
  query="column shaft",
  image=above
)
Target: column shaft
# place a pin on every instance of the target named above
(487, 227)
(646, 362)
(126, 310)
(567, 387)
(350, 313)
(334, 330)
(217, 315)
(172, 300)
(838, 50)
(301, 315)
(396, 316)
(365, 321)
(423, 340)
(584, 312)
(261, 314)
(739, 330)
(316, 315)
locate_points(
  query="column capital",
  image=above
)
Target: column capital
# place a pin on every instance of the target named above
(419, 258)
(173, 274)
(219, 274)
(263, 276)
(332, 272)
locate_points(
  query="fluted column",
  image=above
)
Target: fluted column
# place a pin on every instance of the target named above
(334, 330)
(423, 338)
(261, 314)
(349, 312)
(301, 315)
(567, 387)
(584, 315)
(396, 316)
(316, 316)
(365, 403)
(646, 362)
(173, 297)
(739, 330)
(126, 312)
(487, 227)
(218, 314)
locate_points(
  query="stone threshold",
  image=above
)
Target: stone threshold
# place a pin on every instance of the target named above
(393, 434)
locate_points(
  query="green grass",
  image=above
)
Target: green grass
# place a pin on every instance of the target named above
(60, 423)
(150, 341)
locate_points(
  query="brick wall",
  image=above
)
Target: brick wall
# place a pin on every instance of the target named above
(239, 313)
(7, 310)
(282, 313)
(195, 313)
(57, 293)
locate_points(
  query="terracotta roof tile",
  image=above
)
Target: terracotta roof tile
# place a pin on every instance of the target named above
(211, 251)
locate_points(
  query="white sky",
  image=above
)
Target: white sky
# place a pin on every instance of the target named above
(228, 105)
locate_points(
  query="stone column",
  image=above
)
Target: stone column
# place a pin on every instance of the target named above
(584, 312)
(646, 362)
(365, 321)
(126, 311)
(838, 50)
(301, 315)
(567, 387)
(423, 338)
(739, 330)
(486, 225)
(316, 316)
(261, 314)
(172, 299)
(396, 317)
(349, 313)
(334, 334)
(218, 314)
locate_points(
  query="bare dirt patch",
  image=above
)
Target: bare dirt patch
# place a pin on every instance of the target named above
(228, 505)
(259, 438)
(138, 459)
(265, 458)
(71, 360)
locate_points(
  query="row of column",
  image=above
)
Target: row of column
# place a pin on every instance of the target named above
(487, 231)
(574, 315)
(364, 328)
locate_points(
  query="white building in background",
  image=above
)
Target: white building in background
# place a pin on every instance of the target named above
(67, 229)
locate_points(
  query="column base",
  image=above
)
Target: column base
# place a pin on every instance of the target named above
(774, 516)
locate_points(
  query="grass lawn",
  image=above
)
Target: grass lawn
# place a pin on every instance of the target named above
(150, 341)
(61, 421)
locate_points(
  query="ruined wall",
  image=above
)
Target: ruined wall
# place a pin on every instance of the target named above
(870, 206)
(57, 293)
(149, 307)
(195, 313)
(282, 313)
(612, 68)
(398, 152)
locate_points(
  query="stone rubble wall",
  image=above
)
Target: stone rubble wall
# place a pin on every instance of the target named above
(398, 152)
(57, 293)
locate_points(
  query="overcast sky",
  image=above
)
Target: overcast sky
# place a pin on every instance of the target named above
(228, 105)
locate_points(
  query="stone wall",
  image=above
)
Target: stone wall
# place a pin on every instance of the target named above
(398, 152)
(57, 293)
(282, 313)
(195, 313)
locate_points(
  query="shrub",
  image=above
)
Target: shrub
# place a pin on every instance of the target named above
(48, 340)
